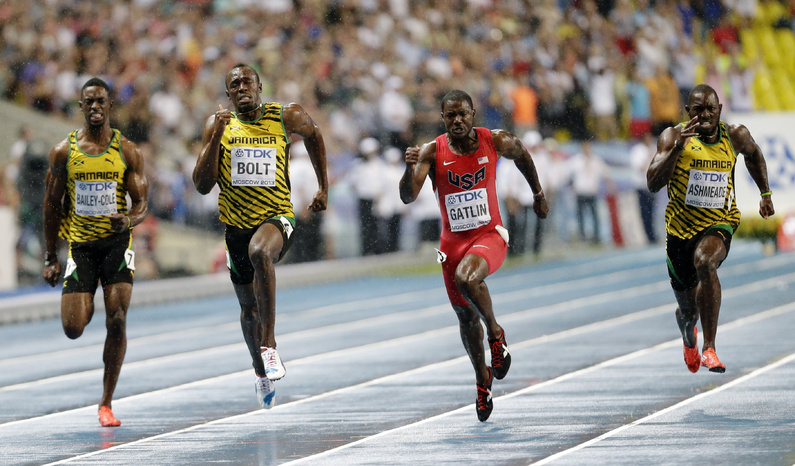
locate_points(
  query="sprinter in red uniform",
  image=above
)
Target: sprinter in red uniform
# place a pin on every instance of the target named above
(461, 165)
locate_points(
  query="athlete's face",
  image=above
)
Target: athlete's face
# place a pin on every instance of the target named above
(705, 106)
(243, 89)
(458, 118)
(95, 104)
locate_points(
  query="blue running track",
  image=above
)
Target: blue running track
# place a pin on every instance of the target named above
(377, 374)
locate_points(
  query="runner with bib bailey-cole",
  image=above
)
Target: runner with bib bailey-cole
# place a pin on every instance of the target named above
(90, 176)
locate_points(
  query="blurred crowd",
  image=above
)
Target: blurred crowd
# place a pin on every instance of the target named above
(371, 73)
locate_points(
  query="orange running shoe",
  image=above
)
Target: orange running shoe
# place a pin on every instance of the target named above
(692, 358)
(106, 417)
(710, 359)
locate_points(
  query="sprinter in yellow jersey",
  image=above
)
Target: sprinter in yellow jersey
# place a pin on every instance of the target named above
(696, 161)
(247, 153)
(91, 173)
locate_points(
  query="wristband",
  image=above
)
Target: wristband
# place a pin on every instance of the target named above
(129, 222)
(50, 258)
(766, 193)
(539, 195)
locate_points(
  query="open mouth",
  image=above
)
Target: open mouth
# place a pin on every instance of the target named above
(95, 117)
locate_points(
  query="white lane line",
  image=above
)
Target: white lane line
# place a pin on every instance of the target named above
(610, 362)
(346, 326)
(683, 403)
(401, 375)
(425, 312)
(356, 305)
(407, 297)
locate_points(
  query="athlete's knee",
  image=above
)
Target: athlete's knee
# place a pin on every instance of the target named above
(706, 264)
(116, 324)
(468, 276)
(72, 331)
(249, 313)
(260, 255)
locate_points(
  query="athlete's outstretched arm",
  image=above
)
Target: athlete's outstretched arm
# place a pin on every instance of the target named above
(297, 121)
(55, 185)
(510, 147)
(205, 174)
(669, 146)
(137, 188)
(419, 162)
(756, 165)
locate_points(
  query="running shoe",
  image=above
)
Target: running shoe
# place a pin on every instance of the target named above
(710, 360)
(274, 369)
(484, 404)
(266, 392)
(692, 358)
(106, 417)
(500, 356)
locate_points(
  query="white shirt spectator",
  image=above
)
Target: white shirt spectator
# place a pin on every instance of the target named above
(741, 87)
(426, 206)
(388, 202)
(587, 173)
(602, 92)
(367, 175)
(303, 182)
(394, 107)
(640, 156)
(166, 106)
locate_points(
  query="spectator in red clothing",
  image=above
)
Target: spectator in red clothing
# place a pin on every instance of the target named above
(725, 35)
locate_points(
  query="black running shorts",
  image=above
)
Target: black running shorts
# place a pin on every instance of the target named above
(680, 252)
(108, 260)
(237, 240)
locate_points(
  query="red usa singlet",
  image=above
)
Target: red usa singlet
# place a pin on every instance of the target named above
(466, 188)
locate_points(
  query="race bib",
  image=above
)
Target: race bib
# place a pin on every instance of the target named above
(253, 166)
(468, 209)
(95, 198)
(707, 189)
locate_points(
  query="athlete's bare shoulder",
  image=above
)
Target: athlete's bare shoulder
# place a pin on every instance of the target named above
(738, 132)
(428, 151)
(741, 139)
(506, 143)
(501, 134)
(60, 153)
(297, 120)
(130, 152)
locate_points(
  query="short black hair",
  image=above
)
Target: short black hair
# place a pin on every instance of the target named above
(242, 65)
(457, 94)
(701, 89)
(95, 82)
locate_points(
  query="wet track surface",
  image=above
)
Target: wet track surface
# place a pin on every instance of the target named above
(376, 374)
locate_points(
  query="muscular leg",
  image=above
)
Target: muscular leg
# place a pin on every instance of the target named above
(77, 309)
(249, 323)
(117, 302)
(469, 278)
(687, 315)
(709, 253)
(472, 337)
(264, 250)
